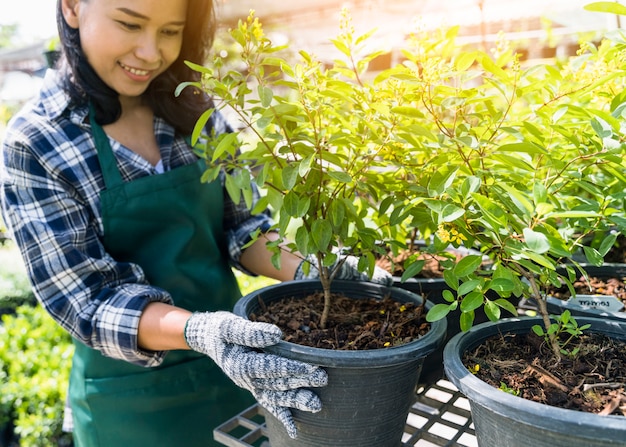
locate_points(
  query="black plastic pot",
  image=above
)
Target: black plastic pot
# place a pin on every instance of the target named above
(369, 392)
(557, 306)
(504, 420)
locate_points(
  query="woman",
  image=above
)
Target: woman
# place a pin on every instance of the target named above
(127, 249)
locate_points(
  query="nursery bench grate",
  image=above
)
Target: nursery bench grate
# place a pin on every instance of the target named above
(439, 417)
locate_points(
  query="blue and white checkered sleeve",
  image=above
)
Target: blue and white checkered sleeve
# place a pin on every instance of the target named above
(96, 299)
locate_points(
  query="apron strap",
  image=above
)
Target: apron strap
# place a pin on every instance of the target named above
(108, 164)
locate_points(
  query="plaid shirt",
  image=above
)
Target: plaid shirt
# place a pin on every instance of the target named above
(51, 184)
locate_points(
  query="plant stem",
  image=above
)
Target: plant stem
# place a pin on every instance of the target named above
(326, 280)
(543, 311)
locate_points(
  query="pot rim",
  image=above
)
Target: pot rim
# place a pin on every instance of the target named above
(411, 351)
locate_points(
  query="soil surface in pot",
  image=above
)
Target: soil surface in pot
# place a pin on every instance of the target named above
(594, 286)
(353, 324)
(593, 381)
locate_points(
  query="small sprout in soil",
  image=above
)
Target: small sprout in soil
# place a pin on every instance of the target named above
(565, 329)
(504, 387)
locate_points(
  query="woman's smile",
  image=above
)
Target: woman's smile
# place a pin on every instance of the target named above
(136, 73)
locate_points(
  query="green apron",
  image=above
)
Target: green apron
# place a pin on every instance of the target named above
(170, 224)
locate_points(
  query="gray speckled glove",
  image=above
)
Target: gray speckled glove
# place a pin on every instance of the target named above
(348, 271)
(276, 382)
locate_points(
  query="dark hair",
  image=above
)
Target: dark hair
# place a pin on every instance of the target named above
(83, 84)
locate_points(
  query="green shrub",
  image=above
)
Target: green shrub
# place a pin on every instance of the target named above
(15, 289)
(35, 360)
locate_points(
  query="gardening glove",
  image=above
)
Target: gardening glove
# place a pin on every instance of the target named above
(348, 270)
(277, 383)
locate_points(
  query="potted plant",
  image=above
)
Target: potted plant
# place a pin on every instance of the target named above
(503, 417)
(316, 140)
(519, 163)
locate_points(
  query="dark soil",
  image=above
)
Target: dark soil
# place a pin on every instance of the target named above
(594, 381)
(353, 324)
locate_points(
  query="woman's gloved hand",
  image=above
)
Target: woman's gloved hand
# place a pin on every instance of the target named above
(348, 271)
(276, 382)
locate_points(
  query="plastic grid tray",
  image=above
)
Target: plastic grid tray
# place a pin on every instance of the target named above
(440, 417)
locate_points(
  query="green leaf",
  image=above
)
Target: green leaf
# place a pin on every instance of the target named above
(290, 204)
(466, 321)
(607, 244)
(266, 95)
(198, 128)
(290, 176)
(451, 279)
(519, 197)
(440, 181)
(502, 285)
(302, 240)
(227, 143)
(233, 190)
(448, 296)
(366, 263)
(609, 7)
(538, 261)
(467, 265)
(553, 329)
(450, 213)
(329, 259)
(412, 269)
(470, 185)
(321, 233)
(437, 312)
(537, 329)
(341, 47)
(465, 60)
(506, 305)
(183, 85)
(468, 286)
(593, 256)
(491, 67)
(472, 301)
(305, 165)
(341, 177)
(492, 311)
(537, 242)
(412, 112)
(210, 174)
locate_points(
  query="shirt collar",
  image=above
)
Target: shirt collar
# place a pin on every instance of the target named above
(56, 101)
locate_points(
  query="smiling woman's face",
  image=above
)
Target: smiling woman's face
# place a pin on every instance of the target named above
(128, 42)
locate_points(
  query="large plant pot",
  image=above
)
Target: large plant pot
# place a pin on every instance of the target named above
(557, 306)
(504, 420)
(369, 392)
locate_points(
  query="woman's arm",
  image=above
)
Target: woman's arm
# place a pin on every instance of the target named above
(162, 327)
(257, 259)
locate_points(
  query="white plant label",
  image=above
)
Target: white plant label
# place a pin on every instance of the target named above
(607, 303)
